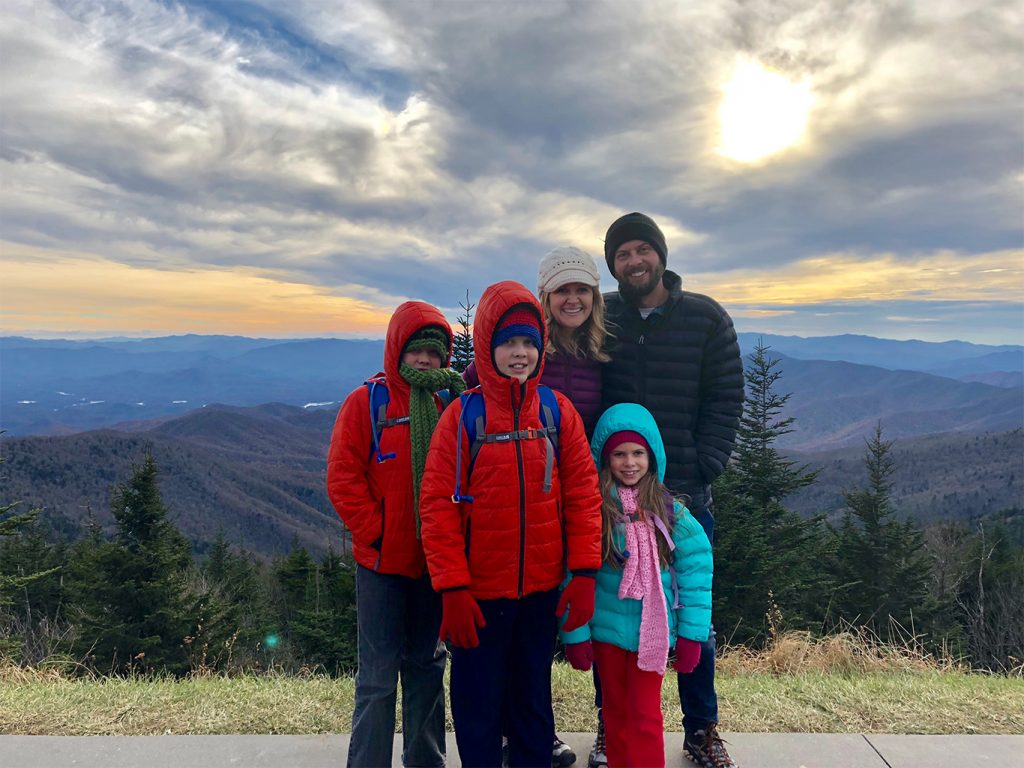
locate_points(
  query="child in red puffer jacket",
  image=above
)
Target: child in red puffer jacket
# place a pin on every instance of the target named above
(498, 539)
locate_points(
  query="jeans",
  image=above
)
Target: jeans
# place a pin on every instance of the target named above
(398, 622)
(506, 682)
(697, 696)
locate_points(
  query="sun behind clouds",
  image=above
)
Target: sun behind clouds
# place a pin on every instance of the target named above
(762, 112)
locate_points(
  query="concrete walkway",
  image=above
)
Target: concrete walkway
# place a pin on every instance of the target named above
(750, 750)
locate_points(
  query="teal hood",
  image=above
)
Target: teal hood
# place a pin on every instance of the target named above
(633, 417)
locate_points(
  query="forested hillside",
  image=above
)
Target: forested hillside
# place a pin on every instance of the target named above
(949, 476)
(255, 474)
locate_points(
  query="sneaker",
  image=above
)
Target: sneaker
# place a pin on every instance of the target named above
(707, 749)
(504, 752)
(598, 758)
(562, 755)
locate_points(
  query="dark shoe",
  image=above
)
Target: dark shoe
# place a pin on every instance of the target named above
(562, 755)
(707, 749)
(598, 758)
(504, 752)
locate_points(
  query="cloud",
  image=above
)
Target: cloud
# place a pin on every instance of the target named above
(89, 295)
(378, 151)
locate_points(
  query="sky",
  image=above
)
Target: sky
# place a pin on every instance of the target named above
(299, 169)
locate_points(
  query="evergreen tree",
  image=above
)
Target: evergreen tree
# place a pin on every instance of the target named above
(15, 573)
(236, 598)
(767, 558)
(991, 598)
(462, 343)
(324, 630)
(131, 594)
(883, 566)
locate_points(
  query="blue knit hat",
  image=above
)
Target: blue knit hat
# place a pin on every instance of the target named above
(520, 321)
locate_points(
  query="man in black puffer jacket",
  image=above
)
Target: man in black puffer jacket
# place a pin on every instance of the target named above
(675, 352)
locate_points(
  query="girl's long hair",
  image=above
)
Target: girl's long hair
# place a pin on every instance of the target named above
(653, 499)
(588, 341)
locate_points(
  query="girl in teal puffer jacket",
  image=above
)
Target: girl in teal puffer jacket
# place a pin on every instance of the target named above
(653, 589)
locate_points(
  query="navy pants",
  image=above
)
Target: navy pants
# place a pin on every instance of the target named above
(398, 620)
(697, 697)
(505, 684)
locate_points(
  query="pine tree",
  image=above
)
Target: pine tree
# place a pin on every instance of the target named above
(991, 598)
(237, 609)
(131, 595)
(882, 563)
(767, 558)
(13, 574)
(462, 343)
(324, 630)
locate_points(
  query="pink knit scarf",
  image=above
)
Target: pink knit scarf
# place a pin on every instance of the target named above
(641, 580)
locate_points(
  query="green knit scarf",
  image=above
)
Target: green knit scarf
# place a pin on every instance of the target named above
(423, 416)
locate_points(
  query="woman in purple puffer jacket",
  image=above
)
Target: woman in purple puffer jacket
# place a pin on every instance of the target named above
(567, 285)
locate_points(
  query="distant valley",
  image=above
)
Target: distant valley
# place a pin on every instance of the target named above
(257, 475)
(841, 385)
(239, 427)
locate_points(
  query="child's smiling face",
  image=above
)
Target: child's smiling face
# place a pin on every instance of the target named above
(628, 463)
(516, 358)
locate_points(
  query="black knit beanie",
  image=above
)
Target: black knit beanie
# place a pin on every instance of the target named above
(633, 226)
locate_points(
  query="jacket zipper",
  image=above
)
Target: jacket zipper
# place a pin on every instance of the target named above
(522, 490)
(642, 364)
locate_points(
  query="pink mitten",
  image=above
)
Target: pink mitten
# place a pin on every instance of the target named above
(580, 655)
(687, 655)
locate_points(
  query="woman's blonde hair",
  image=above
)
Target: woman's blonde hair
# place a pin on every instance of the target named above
(653, 500)
(588, 341)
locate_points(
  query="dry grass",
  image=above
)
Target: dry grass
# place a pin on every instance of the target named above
(841, 684)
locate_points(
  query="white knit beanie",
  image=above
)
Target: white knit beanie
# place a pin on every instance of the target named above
(566, 264)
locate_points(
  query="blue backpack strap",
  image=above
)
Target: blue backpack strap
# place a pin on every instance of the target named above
(550, 415)
(445, 396)
(379, 400)
(472, 408)
(473, 422)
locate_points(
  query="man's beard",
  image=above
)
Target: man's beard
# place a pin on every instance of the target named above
(633, 293)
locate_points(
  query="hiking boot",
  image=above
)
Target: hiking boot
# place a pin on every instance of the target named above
(598, 758)
(562, 755)
(707, 749)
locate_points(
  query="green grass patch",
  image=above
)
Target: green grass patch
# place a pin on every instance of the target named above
(927, 701)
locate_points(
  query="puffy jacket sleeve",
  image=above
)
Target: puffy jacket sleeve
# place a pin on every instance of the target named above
(581, 494)
(441, 520)
(693, 570)
(721, 398)
(348, 466)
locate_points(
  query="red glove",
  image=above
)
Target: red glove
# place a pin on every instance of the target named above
(460, 617)
(580, 655)
(578, 597)
(687, 655)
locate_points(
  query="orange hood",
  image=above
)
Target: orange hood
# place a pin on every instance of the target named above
(409, 318)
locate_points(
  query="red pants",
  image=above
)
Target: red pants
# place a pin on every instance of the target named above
(633, 726)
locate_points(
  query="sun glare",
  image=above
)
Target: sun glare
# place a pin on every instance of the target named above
(762, 113)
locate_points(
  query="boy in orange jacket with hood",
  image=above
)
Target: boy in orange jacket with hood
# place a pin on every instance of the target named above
(374, 468)
(498, 540)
